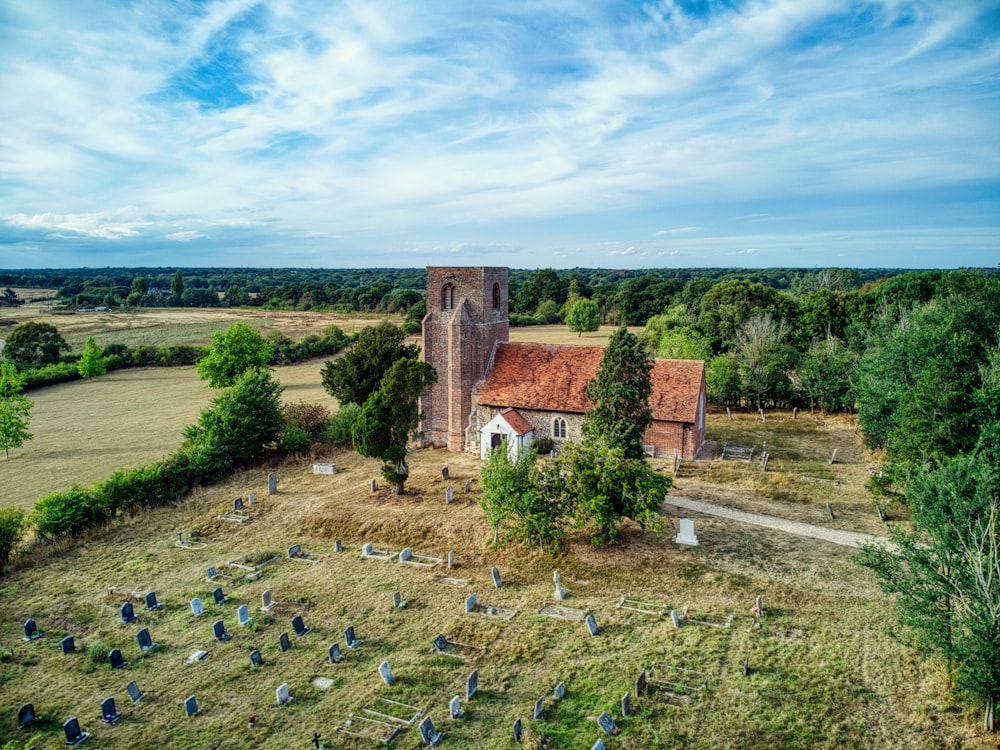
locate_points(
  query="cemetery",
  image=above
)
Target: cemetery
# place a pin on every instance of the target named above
(471, 655)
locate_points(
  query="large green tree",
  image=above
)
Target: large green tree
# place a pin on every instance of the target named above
(234, 352)
(583, 317)
(15, 409)
(619, 395)
(92, 363)
(389, 416)
(354, 376)
(34, 344)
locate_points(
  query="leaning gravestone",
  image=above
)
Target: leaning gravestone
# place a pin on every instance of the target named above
(68, 644)
(640, 684)
(675, 618)
(295, 551)
(627, 704)
(335, 656)
(496, 577)
(539, 708)
(211, 573)
(397, 600)
(470, 603)
(283, 643)
(243, 615)
(197, 607)
(145, 640)
(109, 712)
(219, 629)
(255, 658)
(151, 602)
(471, 685)
(218, 596)
(31, 631)
(349, 638)
(518, 731)
(299, 626)
(599, 745)
(191, 706)
(440, 643)
(385, 671)
(607, 724)
(560, 691)
(74, 735)
(25, 715)
(428, 733)
(134, 692)
(455, 708)
(272, 484)
(592, 625)
(115, 659)
(127, 612)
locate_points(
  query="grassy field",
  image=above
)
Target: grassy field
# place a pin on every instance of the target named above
(823, 673)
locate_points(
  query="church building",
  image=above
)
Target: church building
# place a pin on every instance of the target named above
(489, 387)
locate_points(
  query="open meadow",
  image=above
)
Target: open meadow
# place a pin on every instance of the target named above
(822, 670)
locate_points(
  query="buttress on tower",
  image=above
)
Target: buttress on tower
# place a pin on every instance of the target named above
(467, 314)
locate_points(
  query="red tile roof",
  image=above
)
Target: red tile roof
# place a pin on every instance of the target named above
(550, 377)
(519, 424)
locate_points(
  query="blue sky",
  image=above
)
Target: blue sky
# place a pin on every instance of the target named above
(527, 133)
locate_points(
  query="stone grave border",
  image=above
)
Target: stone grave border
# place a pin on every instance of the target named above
(408, 557)
(414, 711)
(737, 452)
(676, 686)
(308, 557)
(559, 612)
(181, 544)
(448, 581)
(464, 651)
(643, 607)
(233, 517)
(494, 613)
(382, 555)
(380, 731)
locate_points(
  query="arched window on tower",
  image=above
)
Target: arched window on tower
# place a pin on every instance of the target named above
(448, 297)
(558, 427)
(496, 296)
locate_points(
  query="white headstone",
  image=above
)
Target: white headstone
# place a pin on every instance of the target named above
(265, 601)
(686, 534)
(405, 554)
(455, 708)
(449, 495)
(282, 694)
(451, 559)
(272, 484)
(196, 606)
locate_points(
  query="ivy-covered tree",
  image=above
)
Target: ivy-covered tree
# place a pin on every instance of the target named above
(92, 363)
(34, 344)
(619, 395)
(15, 409)
(354, 376)
(234, 352)
(389, 416)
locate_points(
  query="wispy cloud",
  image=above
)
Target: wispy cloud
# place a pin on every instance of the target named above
(566, 129)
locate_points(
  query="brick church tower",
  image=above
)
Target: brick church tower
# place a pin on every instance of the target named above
(467, 314)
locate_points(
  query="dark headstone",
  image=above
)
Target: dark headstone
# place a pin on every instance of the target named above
(25, 715)
(219, 630)
(295, 551)
(592, 625)
(444, 473)
(134, 692)
(539, 708)
(116, 660)
(338, 546)
(211, 573)
(238, 503)
(151, 602)
(440, 643)
(218, 596)
(640, 684)
(496, 577)
(560, 691)
(335, 655)
(255, 658)
(128, 612)
(299, 627)
(74, 735)
(144, 640)
(627, 704)
(428, 733)
(283, 643)
(31, 631)
(349, 638)
(109, 714)
(517, 731)
(272, 484)
(68, 644)
(607, 724)
(191, 705)
(471, 685)
(468, 485)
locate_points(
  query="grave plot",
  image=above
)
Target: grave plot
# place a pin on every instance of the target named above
(295, 552)
(737, 452)
(558, 611)
(473, 607)
(409, 557)
(369, 552)
(448, 581)
(465, 651)
(712, 621)
(380, 719)
(643, 607)
(254, 562)
(192, 542)
(238, 514)
(672, 684)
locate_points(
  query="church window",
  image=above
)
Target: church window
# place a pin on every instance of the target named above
(448, 297)
(496, 296)
(558, 428)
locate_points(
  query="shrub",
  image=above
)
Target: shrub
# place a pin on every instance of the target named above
(310, 418)
(12, 528)
(294, 438)
(173, 356)
(544, 445)
(68, 513)
(338, 431)
(61, 372)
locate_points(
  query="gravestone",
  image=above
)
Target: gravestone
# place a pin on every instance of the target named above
(295, 551)
(211, 573)
(470, 603)
(627, 704)
(518, 731)
(368, 550)
(191, 706)
(440, 642)
(496, 577)
(272, 484)
(560, 691)
(338, 546)
(405, 554)
(468, 485)
(471, 685)
(539, 707)
(243, 615)
(218, 596)
(599, 745)
(449, 495)
(109, 713)
(444, 473)
(560, 593)
(31, 631)
(397, 600)
(283, 643)
(451, 559)
(299, 627)
(335, 656)
(385, 671)
(759, 605)
(219, 629)
(349, 638)
(374, 486)
(134, 692)
(25, 715)
(328, 469)
(115, 659)
(592, 625)
(74, 735)
(281, 694)
(675, 618)
(128, 613)
(455, 708)
(251, 498)
(686, 534)
(144, 639)
(255, 658)
(428, 733)
(196, 656)
(68, 644)
(196, 606)
(607, 724)
(265, 601)
(238, 504)
(151, 602)
(640, 684)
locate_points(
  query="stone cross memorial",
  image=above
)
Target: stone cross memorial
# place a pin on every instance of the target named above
(686, 534)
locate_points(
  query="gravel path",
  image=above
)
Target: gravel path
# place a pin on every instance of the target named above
(836, 536)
